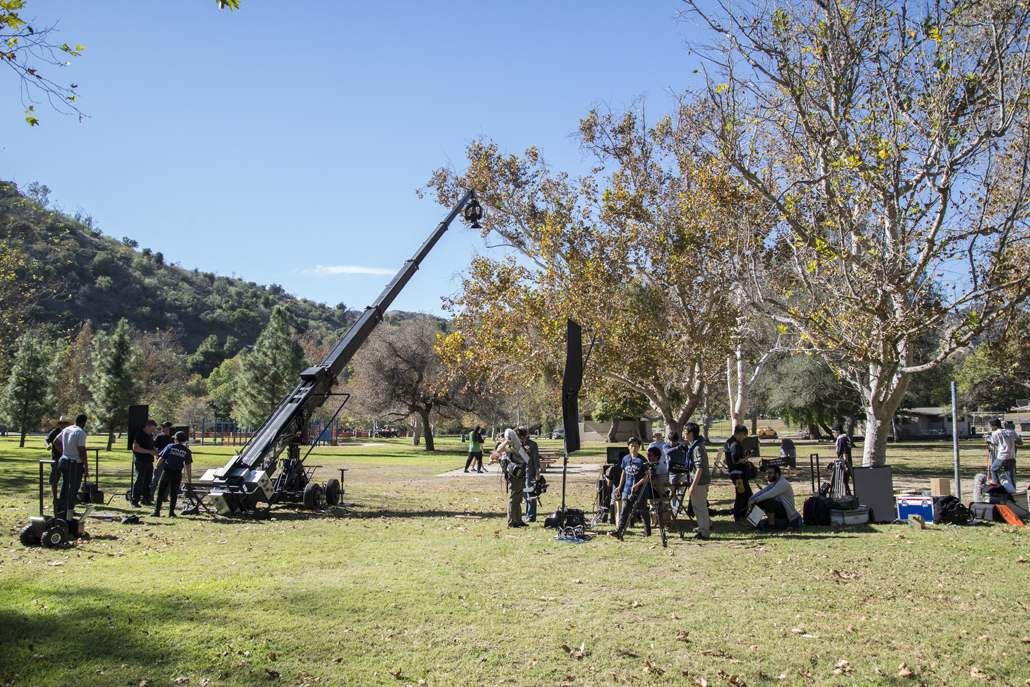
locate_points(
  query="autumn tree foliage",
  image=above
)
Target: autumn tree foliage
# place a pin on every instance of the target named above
(642, 252)
(891, 139)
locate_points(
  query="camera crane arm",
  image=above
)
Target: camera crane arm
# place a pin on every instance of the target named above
(288, 422)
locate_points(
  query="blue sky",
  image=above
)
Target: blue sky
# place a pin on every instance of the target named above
(285, 136)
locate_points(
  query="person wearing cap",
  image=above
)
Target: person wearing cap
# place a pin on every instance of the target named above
(173, 459)
(658, 442)
(161, 441)
(1004, 441)
(54, 446)
(844, 443)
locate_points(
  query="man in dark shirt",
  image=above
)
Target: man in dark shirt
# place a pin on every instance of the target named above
(736, 464)
(161, 441)
(143, 454)
(56, 451)
(173, 459)
(532, 469)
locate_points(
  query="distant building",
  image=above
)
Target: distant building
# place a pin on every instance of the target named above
(598, 431)
(916, 423)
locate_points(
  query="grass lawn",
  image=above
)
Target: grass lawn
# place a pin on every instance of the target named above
(394, 590)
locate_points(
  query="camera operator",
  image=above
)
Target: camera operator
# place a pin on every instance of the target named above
(513, 461)
(636, 475)
(613, 480)
(777, 500)
(698, 493)
(532, 469)
(736, 464)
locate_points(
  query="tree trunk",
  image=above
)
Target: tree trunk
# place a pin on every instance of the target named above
(110, 440)
(813, 431)
(23, 433)
(613, 430)
(428, 427)
(736, 385)
(882, 399)
(754, 423)
(640, 429)
(416, 436)
(707, 429)
(849, 425)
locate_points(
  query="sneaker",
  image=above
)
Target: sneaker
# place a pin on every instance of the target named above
(466, 471)
(480, 470)
(172, 514)
(702, 535)
(156, 514)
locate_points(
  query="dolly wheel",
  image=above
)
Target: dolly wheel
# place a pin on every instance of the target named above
(312, 495)
(54, 537)
(332, 492)
(28, 536)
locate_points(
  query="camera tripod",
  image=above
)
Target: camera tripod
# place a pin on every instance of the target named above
(650, 488)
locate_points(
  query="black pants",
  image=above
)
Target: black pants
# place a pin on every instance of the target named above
(71, 480)
(476, 456)
(171, 480)
(779, 513)
(743, 495)
(144, 476)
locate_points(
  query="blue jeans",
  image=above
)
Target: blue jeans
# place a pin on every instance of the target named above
(530, 503)
(1006, 466)
(71, 481)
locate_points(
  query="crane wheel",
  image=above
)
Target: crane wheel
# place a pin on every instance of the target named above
(312, 496)
(332, 492)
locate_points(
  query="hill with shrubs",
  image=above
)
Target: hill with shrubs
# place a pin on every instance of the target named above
(78, 275)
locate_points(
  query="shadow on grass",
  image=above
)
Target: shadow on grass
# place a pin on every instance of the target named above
(69, 627)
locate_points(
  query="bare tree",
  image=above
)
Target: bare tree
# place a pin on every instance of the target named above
(398, 372)
(891, 139)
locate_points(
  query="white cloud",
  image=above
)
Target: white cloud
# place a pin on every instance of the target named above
(322, 270)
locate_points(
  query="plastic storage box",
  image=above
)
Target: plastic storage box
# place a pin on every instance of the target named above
(855, 516)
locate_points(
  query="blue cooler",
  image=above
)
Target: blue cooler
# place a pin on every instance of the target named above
(915, 505)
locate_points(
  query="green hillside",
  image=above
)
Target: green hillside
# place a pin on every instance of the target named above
(97, 278)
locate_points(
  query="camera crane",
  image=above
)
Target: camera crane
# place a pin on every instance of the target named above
(248, 480)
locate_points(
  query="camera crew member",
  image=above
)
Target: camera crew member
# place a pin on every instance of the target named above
(513, 460)
(636, 476)
(697, 455)
(777, 500)
(532, 469)
(737, 465)
(1004, 441)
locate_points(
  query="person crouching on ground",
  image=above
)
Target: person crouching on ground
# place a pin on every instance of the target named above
(698, 494)
(777, 500)
(635, 477)
(173, 458)
(513, 460)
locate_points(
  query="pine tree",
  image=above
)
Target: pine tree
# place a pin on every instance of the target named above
(269, 372)
(114, 380)
(27, 396)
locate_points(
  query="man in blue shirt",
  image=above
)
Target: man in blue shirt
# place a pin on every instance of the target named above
(634, 478)
(174, 458)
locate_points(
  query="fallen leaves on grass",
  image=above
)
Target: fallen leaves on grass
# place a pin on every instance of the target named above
(651, 668)
(547, 598)
(978, 674)
(682, 636)
(1021, 560)
(575, 653)
(270, 674)
(701, 682)
(905, 671)
(1025, 640)
(732, 679)
(397, 674)
(842, 667)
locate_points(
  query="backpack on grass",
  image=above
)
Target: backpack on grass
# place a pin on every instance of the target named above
(948, 510)
(816, 511)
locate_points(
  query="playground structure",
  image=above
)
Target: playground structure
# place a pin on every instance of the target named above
(247, 483)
